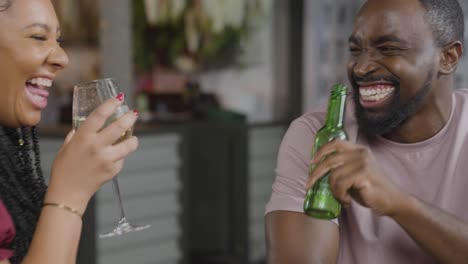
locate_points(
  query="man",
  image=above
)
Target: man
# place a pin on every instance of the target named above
(402, 175)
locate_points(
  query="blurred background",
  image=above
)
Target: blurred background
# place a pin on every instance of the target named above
(217, 83)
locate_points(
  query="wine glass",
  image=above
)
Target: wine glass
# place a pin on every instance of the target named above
(87, 97)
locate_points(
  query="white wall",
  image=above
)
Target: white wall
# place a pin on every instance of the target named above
(248, 90)
(327, 26)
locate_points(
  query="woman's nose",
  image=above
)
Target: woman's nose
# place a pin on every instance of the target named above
(58, 58)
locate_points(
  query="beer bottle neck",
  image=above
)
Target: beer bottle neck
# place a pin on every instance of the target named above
(335, 114)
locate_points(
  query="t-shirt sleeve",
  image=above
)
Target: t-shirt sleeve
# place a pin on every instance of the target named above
(292, 168)
(7, 233)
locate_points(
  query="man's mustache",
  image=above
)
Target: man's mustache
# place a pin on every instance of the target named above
(375, 78)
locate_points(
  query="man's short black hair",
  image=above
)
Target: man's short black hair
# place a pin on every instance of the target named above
(446, 20)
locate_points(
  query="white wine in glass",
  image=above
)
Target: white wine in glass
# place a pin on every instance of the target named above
(86, 98)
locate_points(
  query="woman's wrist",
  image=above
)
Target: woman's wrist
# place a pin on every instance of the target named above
(66, 208)
(71, 199)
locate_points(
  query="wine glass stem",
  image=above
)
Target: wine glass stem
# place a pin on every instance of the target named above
(117, 191)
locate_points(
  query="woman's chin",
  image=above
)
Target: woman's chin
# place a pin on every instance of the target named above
(29, 120)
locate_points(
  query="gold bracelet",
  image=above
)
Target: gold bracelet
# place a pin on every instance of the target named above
(65, 207)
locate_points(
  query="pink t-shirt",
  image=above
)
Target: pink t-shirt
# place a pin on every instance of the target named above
(7, 233)
(435, 171)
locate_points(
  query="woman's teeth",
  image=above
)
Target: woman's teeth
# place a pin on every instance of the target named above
(40, 82)
(375, 93)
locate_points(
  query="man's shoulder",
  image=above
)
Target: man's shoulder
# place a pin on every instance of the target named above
(314, 119)
(461, 92)
(460, 97)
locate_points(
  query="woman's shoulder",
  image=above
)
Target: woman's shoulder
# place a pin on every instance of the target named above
(7, 232)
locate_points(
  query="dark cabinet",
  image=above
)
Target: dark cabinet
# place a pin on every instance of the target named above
(215, 192)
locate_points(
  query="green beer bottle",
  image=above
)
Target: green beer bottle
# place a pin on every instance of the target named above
(319, 201)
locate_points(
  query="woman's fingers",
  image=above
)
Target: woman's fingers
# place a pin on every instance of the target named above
(97, 119)
(110, 159)
(69, 137)
(122, 150)
(93, 144)
(95, 123)
(118, 129)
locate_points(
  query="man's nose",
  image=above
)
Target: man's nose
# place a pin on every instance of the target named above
(365, 64)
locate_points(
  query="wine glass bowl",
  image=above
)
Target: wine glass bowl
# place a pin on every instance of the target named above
(86, 98)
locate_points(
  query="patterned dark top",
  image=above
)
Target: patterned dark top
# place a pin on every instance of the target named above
(7, 233)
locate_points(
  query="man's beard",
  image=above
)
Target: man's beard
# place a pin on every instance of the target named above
(397, 113)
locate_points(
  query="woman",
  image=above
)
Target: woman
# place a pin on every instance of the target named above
(39, 224)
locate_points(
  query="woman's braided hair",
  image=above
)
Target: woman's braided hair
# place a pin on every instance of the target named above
(22, 185)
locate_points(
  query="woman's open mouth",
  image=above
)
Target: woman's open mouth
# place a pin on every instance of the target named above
(36, 91)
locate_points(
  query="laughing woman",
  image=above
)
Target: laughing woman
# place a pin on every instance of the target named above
(40, 224)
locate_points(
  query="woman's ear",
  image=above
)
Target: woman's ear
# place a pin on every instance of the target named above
(450, 55)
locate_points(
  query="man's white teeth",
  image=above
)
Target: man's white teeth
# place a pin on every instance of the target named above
(41, 82)
(369, 92)
(375, 93)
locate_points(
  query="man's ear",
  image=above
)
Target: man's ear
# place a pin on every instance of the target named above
(450, 55)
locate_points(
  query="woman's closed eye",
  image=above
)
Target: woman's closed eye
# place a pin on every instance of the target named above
(60, 40)
(39, 37)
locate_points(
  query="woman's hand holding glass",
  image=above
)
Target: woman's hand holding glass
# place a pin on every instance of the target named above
(90, 156)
